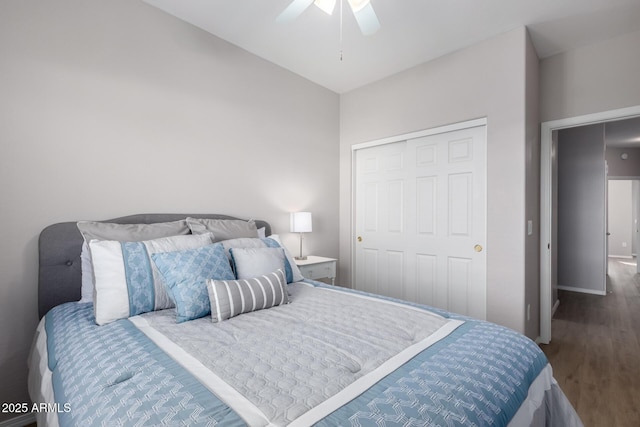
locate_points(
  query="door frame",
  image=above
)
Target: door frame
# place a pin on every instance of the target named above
(547, 307)
(390, 140)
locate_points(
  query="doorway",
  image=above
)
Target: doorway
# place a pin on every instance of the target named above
(621, 222)
(548, 208)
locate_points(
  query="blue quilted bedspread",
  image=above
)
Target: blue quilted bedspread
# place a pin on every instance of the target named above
(114, 375)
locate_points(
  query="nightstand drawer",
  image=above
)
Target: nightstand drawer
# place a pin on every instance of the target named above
(317, 267)
(318, 271)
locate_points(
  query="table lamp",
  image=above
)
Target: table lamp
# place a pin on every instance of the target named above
(301, 223)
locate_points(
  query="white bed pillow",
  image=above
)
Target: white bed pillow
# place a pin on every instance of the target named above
(127, 282)
(91, 230)
(86, 274)
(229, 298)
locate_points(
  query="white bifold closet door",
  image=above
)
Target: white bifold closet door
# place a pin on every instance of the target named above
(420, 220)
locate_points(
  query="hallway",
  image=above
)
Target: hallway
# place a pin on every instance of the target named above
(595, 349)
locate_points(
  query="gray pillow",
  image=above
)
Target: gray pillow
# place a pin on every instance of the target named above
(230, 298)
(131, 232)
(94, 230)
(254, 262)
(242, 242)
(223, 229)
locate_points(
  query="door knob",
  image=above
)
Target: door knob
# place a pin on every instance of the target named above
(477, 248)
(359, 238)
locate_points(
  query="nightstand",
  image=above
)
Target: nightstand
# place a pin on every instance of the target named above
(317, 267)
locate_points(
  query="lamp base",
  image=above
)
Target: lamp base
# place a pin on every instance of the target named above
(300, 258)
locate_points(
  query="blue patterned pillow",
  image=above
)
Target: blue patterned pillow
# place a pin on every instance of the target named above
(185, 274)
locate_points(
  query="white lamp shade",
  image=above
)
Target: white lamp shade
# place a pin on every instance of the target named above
(301, 222)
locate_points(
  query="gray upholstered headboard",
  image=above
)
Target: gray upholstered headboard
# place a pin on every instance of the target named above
(59, 246)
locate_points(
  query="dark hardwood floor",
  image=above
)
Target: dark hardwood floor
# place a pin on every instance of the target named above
(595, 349)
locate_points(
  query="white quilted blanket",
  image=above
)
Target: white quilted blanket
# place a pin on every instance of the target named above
(276, 365)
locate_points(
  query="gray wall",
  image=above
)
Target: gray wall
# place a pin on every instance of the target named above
(485, 80)
(620, 218)
(109, 108)
(581, 195)
(623, 168)
(591, 79)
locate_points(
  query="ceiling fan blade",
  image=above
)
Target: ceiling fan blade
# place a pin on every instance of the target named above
(367, 19)
(326, 6)
(295, 9)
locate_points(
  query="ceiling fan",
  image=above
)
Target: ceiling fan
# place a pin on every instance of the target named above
(362, 10)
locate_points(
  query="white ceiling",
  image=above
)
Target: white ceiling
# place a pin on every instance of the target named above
(412, 31)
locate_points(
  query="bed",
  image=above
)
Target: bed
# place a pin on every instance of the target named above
(259, 347)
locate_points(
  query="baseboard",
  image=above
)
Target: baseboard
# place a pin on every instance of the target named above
(582, 290)
(19, 421)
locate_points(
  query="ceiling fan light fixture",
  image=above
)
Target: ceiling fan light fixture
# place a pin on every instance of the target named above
(362, 11)
(326, 6)
(295, 9)
(367, 19)
(357, 5)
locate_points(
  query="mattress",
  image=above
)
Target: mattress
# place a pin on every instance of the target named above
(331, 357)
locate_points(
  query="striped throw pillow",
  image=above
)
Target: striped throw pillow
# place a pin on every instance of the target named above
(230, 298)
